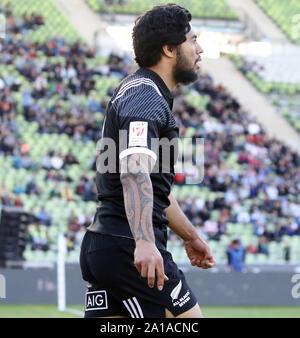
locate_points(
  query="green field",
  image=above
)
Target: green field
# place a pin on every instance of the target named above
(50, 311)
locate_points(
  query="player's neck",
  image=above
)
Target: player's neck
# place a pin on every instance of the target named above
(166, 74)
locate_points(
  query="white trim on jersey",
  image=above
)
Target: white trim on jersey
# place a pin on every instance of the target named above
(128, 308)
(143, 80)
(128, 84)
(136, 83)
(137, 150)
(135, 312)
(133, 308)
(138, 307)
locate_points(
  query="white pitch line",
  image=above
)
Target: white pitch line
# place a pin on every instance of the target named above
(75, 312)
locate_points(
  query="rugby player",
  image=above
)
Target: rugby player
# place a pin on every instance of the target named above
(124, 255)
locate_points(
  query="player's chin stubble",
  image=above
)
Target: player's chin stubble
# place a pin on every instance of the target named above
(181, 73)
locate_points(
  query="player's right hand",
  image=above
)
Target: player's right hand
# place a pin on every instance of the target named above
(199, 253)
(149, 263)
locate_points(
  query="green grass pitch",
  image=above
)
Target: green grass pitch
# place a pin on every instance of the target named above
(50, 311)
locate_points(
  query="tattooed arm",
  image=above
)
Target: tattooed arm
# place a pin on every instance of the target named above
(138, 196)
(138, 200)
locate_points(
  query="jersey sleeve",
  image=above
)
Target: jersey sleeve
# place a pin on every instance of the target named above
(140, 127)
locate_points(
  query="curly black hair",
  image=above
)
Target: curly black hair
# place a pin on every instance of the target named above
(160, 26)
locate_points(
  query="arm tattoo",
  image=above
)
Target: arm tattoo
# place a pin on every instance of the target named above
(138, 199)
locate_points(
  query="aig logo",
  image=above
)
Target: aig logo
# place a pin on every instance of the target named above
(2, 286)
(296, 287)
(96, 300)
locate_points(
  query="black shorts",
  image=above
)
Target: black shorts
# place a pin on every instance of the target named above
(115, 287)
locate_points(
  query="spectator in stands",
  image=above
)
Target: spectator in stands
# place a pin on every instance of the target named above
(40, 86)
(57, 161)
(287, 252)
(52, 160)
(55, 191)
(90, 191)
(56, 176)
(252, 248)
(70, 159)
(31, 187)
(23, 161)
(81, 185)
(79, 236)
(84, 220)
(73, 228)
(66, 192)
(292, 227)
(44, 217)
(46, 160)
(236, 256)
(211, 228)
(6, 195)
(262, 246)
(38, 237)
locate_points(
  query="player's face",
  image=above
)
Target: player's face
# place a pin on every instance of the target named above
(186, 69)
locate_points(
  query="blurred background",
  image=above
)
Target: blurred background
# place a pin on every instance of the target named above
(60, 61)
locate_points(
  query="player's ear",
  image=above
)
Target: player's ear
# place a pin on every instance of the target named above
(169, 51)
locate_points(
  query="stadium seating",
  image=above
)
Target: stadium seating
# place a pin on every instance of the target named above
(199, 8)
(56, 24)
(279, 81)
(63, 210)
(283, 13)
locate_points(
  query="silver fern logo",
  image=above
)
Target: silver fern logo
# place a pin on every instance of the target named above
(176, 291)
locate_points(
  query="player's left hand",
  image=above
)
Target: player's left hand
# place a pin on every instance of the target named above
(199, 253)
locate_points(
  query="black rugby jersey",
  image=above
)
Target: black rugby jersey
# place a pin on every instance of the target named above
(138, 119)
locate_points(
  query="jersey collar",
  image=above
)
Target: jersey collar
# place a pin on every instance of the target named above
(159, 82)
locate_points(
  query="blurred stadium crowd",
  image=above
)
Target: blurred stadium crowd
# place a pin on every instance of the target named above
(56, 92)
(279, 82)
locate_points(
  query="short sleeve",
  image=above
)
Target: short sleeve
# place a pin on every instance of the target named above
(139, 129)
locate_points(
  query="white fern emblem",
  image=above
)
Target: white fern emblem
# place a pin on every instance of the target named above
(175, 293)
